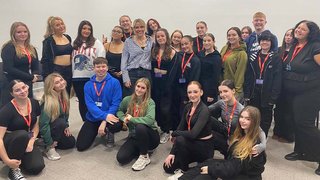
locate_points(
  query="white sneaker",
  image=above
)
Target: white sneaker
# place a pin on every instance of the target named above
(164, 138)
(141, 162)
(15, 174)
(177, 173)
(52, 154)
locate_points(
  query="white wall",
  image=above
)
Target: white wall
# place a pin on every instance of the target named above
(172, 14)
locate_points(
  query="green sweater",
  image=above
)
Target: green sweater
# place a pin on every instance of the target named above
(235, 66)
(148, 119)
(45, 122)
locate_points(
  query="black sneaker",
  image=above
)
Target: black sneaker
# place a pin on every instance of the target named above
(15, 174)
(318, 170)
(110, 139)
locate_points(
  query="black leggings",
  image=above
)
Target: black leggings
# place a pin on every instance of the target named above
(57, 128)
(16, 143)
(89, 132)
(188, 151)
(66, 73)
(78, 87)
(145, 139)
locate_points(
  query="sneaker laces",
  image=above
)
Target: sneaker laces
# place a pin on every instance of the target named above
(16, 173)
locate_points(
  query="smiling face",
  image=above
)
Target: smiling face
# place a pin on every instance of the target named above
(208, 43)
(86, 31)
(194, 93)
(20, 90)
(233, 37)
(245, 120)
(259, 23)
(140, 89)
(301, 32)
(21, 34)
(176, 38)
(126, 23)
(100, 70)
(288, 38)
(153, 25)
(161, 37)
(226, 93)
(201, 29)
(139, 29)
(117, 33)
(265, 45)
(58, 27)
(59, 84)
(186, 45)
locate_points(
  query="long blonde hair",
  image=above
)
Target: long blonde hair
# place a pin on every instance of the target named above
(245, 141)
(51, 99)
(50, 22)
(143, 103)
(19, 51)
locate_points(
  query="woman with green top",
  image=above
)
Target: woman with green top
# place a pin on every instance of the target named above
(234, 60)
(138, 113)
(54, 125)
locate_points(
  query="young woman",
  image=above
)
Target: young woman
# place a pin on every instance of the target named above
(283, 124)
(210, 69)
(135, 60)
(57, 50)
(245, 32)
(234, 60)
(228, 109)
(152, 26)
(163, 61)
(54, 123)
(202, 29)
(192, 141)
(263, 80)
(188, 69)
(176, 37)
(20, 60)
(19, 129)
(114, 52)
(85, 49)
(240, 162)
(138, 113)
(302, 81)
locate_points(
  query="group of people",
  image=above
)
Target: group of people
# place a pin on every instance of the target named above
(161, 88)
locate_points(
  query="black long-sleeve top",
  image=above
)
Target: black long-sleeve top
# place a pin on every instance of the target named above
(18, 68)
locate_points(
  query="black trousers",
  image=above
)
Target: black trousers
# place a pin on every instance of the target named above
(57, 128)
(66, 73)
(305, 108)
(188, 151)
(15, 144)
(134, 75)
(78, 87)
(89, 132)
(145, 139)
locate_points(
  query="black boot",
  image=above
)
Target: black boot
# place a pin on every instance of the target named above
(293, 156)
(318, 170)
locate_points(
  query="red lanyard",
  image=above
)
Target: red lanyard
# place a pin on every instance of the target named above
(296, 51)
(95, 88)
(159, 60)
(63, 105)
(262, 66)
(284, 57)
(135, 111)
(183, 66)
(198, 44)
(189, 119)
(28, 56)
(28, 121)
(231, 115)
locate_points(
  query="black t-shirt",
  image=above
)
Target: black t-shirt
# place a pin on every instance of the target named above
(10, 118)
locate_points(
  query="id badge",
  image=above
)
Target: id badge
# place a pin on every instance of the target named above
(99, 104)
(30, 134)
(158, 75)
(259, 81)
(182, 80)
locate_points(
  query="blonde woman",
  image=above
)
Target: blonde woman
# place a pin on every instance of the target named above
(240, 162)
(57, 50)
(54, 125)
(138, 113)
(20, 60)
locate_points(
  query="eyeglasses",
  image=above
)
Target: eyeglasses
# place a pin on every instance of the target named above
(116, 32)
(23, 88)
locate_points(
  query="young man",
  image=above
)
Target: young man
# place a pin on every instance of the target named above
(126, 23)
(263, 79)
(259, 22)
(102, 96)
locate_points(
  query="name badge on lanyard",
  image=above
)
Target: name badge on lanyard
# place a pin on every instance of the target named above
(183, 80)
(259, 81)
(98, 93)
(158, 75)
(98, 104)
